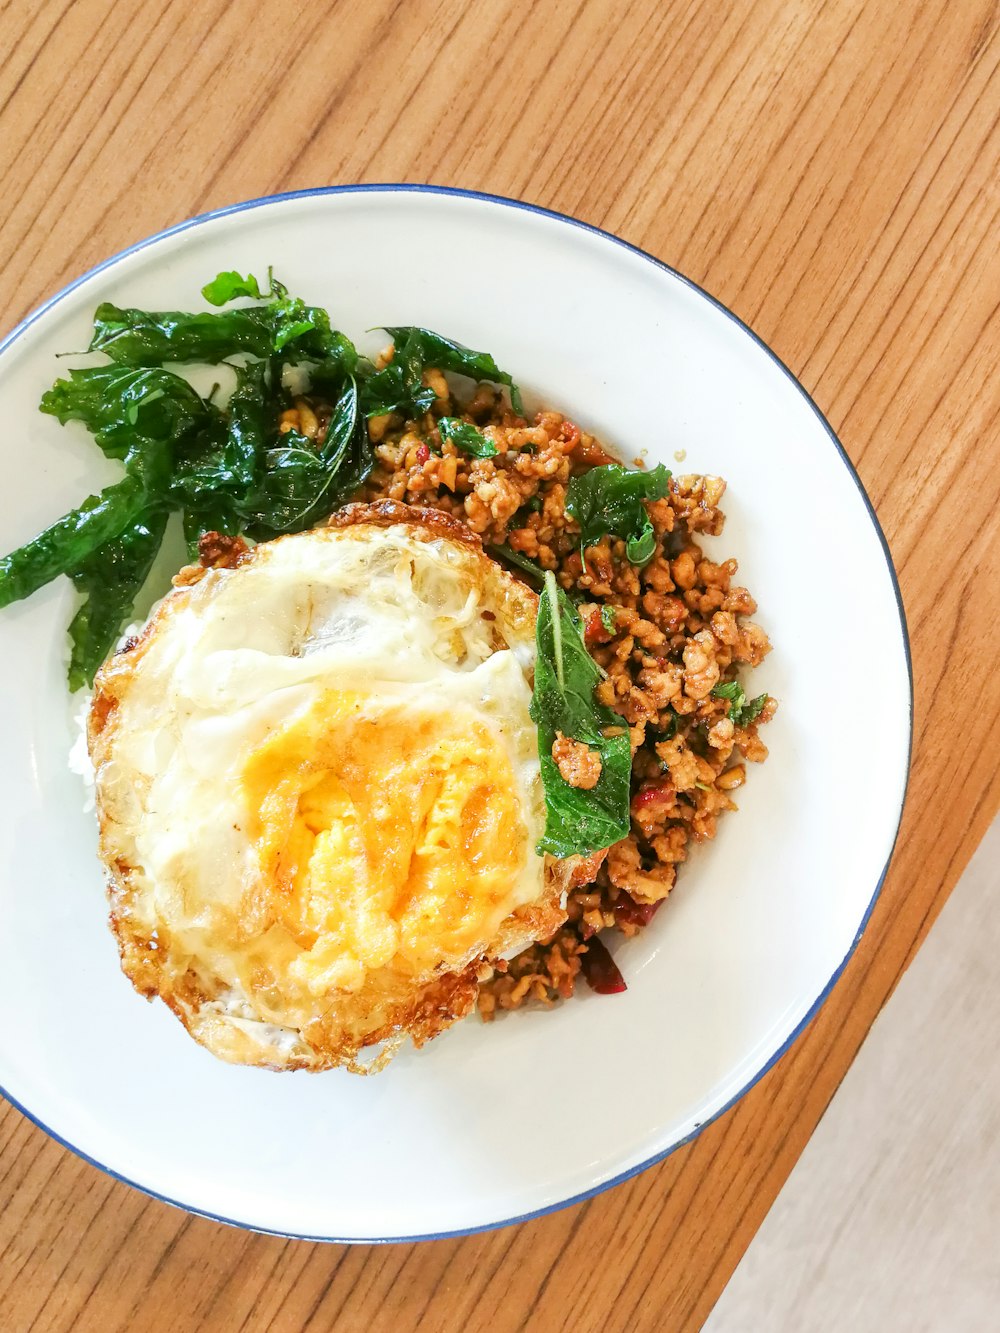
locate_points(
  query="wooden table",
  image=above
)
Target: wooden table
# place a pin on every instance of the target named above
(827, 170)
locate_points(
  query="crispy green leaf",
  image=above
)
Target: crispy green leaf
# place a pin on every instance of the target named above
(300, 484)
(283, 325)
(109, 580)
(741, 711)
(228, 286)
(466, 437)
(607, 501)
(120, 405)
(246, 428)
(577, 821)
(399, 387)
(227, 458)
(64, 546)
(339, 359)
(215, 514)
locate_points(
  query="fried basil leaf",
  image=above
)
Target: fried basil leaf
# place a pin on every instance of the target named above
(214, 514)
(283, 325)
(300, 483)
(466, 437)
(607, 501)
(399, 387)
(120, 404)
(224, 461)
(227, 286)
(109, 580)
(64, 546)
(577, 821)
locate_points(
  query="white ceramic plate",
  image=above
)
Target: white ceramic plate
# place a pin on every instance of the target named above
(487, 1124)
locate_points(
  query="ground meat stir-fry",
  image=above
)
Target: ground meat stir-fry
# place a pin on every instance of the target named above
(665, 635)
(578, 764)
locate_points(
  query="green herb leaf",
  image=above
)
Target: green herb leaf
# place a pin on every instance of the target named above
(284, 325)
(668, 732)
(217, 468)
(608, 619)
(64, 546)
(607, 501)
(110, 580)
(120, 405)
(230, 285)
(399, 387)
(530, 567)
(519, 561)
(301, 484)
(577, 821)
(424, 349)
(213, 514)
(466, 437)
(741, 711)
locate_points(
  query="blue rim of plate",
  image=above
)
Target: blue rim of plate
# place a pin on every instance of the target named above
(445, 190)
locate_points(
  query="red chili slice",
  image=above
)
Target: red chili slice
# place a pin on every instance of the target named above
(600, 971)
(423, 453)
(570, 432)
(595, 631)
(630, 913)
(657, 793)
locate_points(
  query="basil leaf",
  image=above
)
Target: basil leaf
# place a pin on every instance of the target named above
(741, 711)
(577, 821)
(607, 501)
(64, 546)
(432, 350)
(217, 467)
(214, 513)
(466, 437)
(120, 405)
(110, 580)
(301, 484)
(529, 567)
(399, 387)
(519, 561)
(283, 325)
(226, 287)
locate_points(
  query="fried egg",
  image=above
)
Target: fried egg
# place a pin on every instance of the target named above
(319, 792)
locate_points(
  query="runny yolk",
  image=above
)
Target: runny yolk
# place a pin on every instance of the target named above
(385, 836)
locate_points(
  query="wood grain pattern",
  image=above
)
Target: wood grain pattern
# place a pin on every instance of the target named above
(827, 170)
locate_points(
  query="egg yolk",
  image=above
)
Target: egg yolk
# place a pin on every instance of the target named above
(385, 836)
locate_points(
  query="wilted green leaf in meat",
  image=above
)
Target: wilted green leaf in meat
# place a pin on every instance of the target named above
(466, 437)
(741, 711)
(577, 821)
(607, 501)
